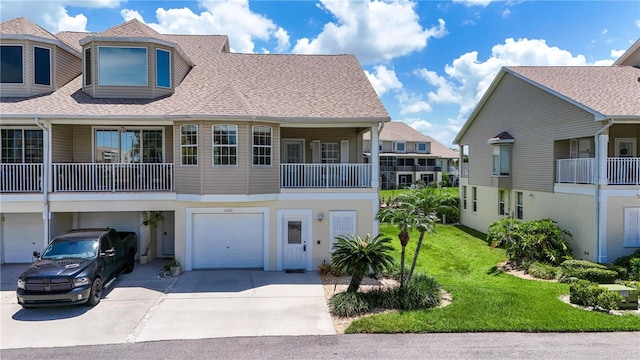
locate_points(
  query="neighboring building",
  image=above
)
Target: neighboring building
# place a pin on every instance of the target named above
(407, 156)
(559, 142)
(255, 161)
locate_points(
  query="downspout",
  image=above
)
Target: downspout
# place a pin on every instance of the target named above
(597, 189)
(45, 180)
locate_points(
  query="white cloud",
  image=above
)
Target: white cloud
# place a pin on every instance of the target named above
(383, 80)
(233, 18)
(638, 23)
(617, 53)
(411, 103)
(506, 13)
(474, 2)
(374, 30)
(605, 31)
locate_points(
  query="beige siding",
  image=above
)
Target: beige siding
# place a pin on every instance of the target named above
(67, 67)
(535, 119)
(265, 179)
(623, 131)
(226, 179)
(188, 178)
(333, 135)
(82, 144)
(180, 69)
(62, 143)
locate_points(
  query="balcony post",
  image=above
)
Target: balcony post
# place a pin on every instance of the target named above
(375, 158)
(601, 155)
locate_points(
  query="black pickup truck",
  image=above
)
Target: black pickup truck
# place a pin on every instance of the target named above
(75, 266)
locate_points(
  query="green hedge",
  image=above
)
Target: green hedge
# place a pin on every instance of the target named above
(583, 292)
(587, 270)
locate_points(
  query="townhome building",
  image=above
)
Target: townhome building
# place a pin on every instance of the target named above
(252, 160)
(408, 156)
(558, 142)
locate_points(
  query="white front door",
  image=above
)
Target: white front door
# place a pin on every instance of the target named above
(295, 242)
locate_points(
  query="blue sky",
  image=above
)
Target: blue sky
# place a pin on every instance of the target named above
(429, 61)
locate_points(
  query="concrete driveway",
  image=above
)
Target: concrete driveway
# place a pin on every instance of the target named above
(143, 306)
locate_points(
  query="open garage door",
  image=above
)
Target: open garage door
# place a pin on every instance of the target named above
(228, 240)
(21, 234)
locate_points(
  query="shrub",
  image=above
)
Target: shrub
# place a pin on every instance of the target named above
(449, 210)
(586, 293)
(538, 240)
(544, 271)
(587, 270)
(348, 303)
(624, 261)
(634, 269)
(422, 292)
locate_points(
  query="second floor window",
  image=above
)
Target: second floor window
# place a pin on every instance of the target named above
(189, 144)
(163, 68)
(129, 146)
(22, 146)
(421, 147)
(399, 146)
(87, 67)
(330, 153)
(11, 66)
(262, 145)
(42, 66)
(225, 145)
(122, 66)
(501, 160)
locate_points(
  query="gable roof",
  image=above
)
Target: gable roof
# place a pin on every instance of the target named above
(224, 85)
(633, 53)
(400, 131)
(24, 29)
(604, 91)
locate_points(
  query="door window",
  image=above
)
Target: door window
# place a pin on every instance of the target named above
(294, 232)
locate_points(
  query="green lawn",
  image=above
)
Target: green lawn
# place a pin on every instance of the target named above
(485, 299)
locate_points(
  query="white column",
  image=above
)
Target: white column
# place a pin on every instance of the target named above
(375, 158)
(601, 155)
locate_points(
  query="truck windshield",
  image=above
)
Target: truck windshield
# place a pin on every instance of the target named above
(64, 249)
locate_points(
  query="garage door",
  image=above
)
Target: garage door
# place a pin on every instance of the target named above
(228, 241)
(121, 221)
(22, 234)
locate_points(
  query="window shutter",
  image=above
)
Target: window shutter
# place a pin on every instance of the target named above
(316, 151)
(341, 223)
(344, 151)
(632, 227)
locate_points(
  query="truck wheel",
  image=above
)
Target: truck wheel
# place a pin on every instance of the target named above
(96, 292)
(129, 263)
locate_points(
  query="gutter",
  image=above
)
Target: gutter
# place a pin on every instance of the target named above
(596, 198)
(45, 180)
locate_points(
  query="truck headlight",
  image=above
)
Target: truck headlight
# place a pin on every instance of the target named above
(81, 281)
(22, 284)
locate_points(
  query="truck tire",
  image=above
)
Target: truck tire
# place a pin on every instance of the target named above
(96, 292)
(129, 263)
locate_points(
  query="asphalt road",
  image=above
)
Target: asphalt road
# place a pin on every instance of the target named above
(581, 346)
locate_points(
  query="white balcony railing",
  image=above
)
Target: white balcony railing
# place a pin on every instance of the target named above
(620, 171)
(112, 177)
(325, 175)
(20, 178)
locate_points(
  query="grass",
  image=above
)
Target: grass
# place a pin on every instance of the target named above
(484, 298)
(392, 193)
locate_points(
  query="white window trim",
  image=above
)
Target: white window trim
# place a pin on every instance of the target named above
(474, 199)
(504, 202)
(464, 197)
(189, 145)
(628, 214)
(213, 145)
(498, 148)
(146, 50)
(395, 146)
(50, 65)
(417, 148)
(519, 205)
(84, 66)
(23, 66)
(120, 129)
(170, 70)
(253, 145)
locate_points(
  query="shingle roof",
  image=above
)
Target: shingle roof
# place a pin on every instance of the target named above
(400, 131)
(23, 26)
(612, 91)
(72, 38)
(295, 87)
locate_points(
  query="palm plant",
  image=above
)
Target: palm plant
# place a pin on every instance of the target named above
(356, 255)
(427, 204)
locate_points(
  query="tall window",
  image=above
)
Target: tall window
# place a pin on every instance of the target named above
(474, 199)
(502, 202)
(262, 145)
(128, 146)
(225, 145)
(189, 144)
(341, 223)
(22, 146)
(163, 68)
(11, 64)
(464, 197)
(42, 65)
(122, 66)
(87, 67)
(501, 161)
(519, 205)
(330, 153)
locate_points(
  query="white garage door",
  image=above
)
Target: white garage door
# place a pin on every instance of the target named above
(121, 221)
(22, 234)
(228, 241)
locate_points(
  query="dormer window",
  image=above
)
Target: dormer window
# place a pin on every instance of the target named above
(163, 68)
(122, 66)
(42, 65)
(399, 147)
(11, 66)
(421, 147)
(502, 153)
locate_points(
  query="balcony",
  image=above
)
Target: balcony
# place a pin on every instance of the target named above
(20, 178)
(100, 177)
(325, 176)
(620, 171)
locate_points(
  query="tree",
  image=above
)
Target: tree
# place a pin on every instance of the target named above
(427, 204)
(355, 255)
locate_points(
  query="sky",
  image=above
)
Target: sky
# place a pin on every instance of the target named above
(429, 61)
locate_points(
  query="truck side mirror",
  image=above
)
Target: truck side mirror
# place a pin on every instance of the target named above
(36, 254)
